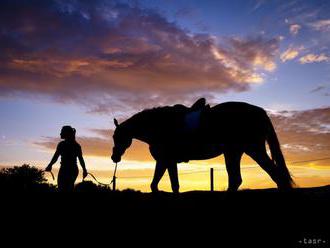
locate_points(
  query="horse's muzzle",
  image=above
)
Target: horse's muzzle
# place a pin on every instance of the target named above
(115, 159)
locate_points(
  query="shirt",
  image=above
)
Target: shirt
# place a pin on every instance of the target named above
(69, 151)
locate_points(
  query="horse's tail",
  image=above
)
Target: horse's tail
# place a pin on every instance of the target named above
(284, 176)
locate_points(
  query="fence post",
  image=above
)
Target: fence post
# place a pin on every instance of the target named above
(114, 183)
(212, 179)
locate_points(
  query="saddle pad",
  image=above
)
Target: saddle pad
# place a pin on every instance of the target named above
(192, 120)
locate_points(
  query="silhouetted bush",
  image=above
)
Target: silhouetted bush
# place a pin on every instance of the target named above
(24, 178)
(89, 186)
(131, 192)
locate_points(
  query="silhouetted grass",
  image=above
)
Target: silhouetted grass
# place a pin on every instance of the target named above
(266, 216)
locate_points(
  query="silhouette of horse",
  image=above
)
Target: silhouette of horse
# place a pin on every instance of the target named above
(230, 128)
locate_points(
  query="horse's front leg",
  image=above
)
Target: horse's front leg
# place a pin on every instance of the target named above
(173, 173)
(159, 172)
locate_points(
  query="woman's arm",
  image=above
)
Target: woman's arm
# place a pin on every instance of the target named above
(82, 163)
(53, 161)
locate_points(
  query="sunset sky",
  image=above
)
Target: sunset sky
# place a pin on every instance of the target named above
(83, 63)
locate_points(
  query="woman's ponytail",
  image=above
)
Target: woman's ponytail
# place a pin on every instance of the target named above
(73, 133)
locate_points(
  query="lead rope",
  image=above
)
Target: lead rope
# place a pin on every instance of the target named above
(51, 173)
(113, 181)
(104, 184)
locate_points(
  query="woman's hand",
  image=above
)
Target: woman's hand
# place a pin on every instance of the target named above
(85, 173)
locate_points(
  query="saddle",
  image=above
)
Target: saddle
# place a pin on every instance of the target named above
(188, 122)
(193, 117)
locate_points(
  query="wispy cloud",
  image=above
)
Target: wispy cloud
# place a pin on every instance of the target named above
(318, 88)
(314, 58)
(322, 90)
(290, 53)
(258, 4)
(321, 25)
(294, 29)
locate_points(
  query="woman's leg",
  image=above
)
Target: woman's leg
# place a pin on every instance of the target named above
(66, 179)
(61, 179)
(73, 177)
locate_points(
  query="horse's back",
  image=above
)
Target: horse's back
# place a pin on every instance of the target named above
(236, 107)
(236, 121)
(237, 110)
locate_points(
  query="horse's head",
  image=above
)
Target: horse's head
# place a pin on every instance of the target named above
(122, 140)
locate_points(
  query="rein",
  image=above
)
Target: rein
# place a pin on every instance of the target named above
(113, 181)
(51, 173)
(95, 179)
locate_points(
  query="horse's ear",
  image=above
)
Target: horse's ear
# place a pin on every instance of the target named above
(116, 122)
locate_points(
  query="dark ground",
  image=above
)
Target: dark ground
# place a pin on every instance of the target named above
(247, 218)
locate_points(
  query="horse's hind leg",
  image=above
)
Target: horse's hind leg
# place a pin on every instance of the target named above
(159, 172)
(260, 155)
(233, 161)
(173, 173)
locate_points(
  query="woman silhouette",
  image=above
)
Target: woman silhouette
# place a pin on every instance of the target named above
(69, 150)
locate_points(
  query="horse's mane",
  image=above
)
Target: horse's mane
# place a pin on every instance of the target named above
(152, 112)
(159, 113)
(155, 110)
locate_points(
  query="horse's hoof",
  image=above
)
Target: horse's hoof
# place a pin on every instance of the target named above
(232, 189)
(154, 189)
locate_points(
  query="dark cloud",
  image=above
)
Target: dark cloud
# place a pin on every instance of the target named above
(91, 146)
(318, 88)
(110, 53)
(101, 146)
